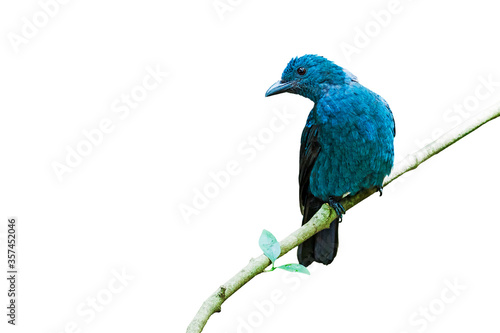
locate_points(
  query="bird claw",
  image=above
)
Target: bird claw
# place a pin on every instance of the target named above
(337, 207)
(380, 190)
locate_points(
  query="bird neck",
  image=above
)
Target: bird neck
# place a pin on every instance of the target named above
(325, 90)
(329, 84)
(330, 105)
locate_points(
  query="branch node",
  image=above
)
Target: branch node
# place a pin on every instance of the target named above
(221, 293)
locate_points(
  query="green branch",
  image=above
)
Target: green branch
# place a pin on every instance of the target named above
(322, 219)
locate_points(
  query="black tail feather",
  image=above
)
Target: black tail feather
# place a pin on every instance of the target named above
(327, 243)
(323, 246)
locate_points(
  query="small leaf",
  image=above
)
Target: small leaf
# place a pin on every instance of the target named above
(269, 245)
(295, 268)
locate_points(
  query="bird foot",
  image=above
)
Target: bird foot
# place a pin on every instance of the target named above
(380, 190)
(337, 206)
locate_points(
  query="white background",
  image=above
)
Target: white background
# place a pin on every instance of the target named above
(119, 209)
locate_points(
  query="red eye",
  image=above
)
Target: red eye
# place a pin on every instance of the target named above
(301, 70)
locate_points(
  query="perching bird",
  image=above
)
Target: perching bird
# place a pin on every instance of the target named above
(347, 144)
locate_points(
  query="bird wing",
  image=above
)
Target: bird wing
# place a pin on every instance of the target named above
(309, 204)
(309, 150)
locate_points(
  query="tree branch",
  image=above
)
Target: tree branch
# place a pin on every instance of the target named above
(322, 219)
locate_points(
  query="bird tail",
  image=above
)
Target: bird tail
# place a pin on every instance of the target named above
(323, 246)
(327, 243)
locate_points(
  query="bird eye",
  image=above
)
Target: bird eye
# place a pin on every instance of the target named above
(301, 70)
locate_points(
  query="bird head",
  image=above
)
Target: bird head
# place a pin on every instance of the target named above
(310, 76)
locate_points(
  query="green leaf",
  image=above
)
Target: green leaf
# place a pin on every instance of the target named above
(269, 245)
(295, 268)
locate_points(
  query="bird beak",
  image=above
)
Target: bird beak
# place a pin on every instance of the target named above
(278, 88)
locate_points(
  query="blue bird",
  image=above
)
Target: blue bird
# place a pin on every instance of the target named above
(347, 144)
